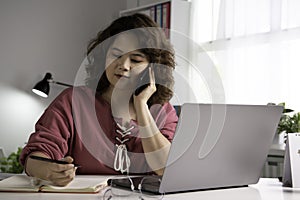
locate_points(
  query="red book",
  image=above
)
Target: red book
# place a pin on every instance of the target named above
(166, 18)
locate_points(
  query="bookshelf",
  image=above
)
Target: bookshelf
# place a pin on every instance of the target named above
(174, 15)
(160, 12)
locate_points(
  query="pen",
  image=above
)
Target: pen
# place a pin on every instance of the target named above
(51, 160)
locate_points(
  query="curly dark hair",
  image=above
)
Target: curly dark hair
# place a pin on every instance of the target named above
(156, 47)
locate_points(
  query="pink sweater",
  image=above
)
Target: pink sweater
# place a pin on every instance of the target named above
(81, 125)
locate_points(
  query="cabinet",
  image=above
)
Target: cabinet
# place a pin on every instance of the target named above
(178, 16)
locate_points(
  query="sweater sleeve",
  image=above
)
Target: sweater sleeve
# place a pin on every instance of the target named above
(166, 119)
(52, 130)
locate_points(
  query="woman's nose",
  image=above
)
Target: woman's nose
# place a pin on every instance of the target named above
(124, 63)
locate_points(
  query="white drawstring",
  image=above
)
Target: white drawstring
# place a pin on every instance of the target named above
(121, 156)
(124, 131)
(122, 141)
(121, 153)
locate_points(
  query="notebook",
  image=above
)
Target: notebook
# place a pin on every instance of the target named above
(218, 146)
(80, 184)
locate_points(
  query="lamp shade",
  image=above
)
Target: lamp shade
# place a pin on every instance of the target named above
(42, 88)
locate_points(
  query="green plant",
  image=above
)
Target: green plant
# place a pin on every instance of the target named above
(289, 123)
(11, 163)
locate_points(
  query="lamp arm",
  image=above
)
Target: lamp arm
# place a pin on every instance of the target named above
(60, 83)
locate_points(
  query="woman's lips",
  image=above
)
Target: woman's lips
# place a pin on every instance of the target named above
(121, 76)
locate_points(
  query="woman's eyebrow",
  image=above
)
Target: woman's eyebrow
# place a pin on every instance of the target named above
(134, 53)
(116, 49)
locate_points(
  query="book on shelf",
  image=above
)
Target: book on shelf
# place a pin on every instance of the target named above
(166, 15)
(159, 15)
(80, 184)
(153, 13)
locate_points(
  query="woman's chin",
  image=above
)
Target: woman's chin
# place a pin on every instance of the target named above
(124, 84)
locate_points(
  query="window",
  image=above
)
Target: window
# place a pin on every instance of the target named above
(254, 45)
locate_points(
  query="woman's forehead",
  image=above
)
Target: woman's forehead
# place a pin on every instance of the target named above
(126, 42)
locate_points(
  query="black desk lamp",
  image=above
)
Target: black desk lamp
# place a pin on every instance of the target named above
(42, 88)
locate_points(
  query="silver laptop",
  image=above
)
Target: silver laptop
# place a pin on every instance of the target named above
(218, 146)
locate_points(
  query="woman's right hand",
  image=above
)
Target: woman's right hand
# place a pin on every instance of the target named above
(58, 174)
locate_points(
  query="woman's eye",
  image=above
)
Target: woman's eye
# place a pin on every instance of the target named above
(136, 61)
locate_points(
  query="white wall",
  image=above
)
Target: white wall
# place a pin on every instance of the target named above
(37, 36)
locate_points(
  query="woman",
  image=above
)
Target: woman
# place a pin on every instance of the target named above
(106, 127)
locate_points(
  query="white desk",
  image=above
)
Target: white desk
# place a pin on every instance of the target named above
(266, 189)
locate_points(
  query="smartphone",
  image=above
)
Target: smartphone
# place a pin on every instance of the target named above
(143, 81)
